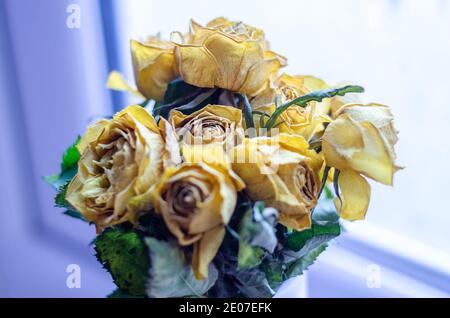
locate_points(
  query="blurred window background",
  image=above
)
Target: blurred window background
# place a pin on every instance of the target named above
(53, 84)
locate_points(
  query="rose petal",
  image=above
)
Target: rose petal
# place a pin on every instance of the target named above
(196, 65)
(154, 68)
(117, 82)
(355, 196)
(359, 146)
(205, 250)
(261, 72)
(91, 134)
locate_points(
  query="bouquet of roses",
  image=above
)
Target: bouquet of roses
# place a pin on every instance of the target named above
(229, 178)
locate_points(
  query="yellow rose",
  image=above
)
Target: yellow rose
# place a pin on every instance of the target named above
(304, 121)
(238, 30)
(360, 141)
(283, 172)
(226, 54)
(154, 66)
(121, 159)
(196, 201)
(211, 124)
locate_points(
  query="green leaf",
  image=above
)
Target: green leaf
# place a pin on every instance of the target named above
(153, 225)
(180, 93)
(261, 115)
(253, 283)
(326, 171)
(124, 255)
(52, 180)
(61, 202)
(75, 215)
(313, 237)
(178, 89)
(297, 267)
(118, 293)
(60, 198)
(249, 256)
(187, 105)
(69, 167)
(274, 270)
(317, 96)
(59, 180)
(247, 110)
(171, 274)
(256, 235)
(224, 288)
(144, 103)
(325, 226)
(198, 101)
(328, 193)
(70, 157)
(336, 183)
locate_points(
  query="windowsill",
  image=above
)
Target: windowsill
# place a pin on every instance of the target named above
(404, 262)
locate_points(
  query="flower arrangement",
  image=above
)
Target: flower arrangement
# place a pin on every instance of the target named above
(230, 177)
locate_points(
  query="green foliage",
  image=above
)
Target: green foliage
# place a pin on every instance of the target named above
(325, 226)
(60, 198)
(298, 266)
(336, 183)
(328, 193)
(60, 181)
(256, 235)
(317, 96)
(249, 256)
(124, 255)
(118, 293)
(248, 114)
(171, 273)
(61, 202)
(254, 263)
(153, 225)
(69, 167)
(253, 283)
(244, 281)
(326, 171)
(178, 89)
(70, 157)
(280, 267)
(316, 235)
(185, 97)
(75, 215)
(273, 267)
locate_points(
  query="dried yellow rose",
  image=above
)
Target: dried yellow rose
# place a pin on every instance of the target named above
(304, 121)
(121, 159)
(196, 201)
(154, 66)
(360, 141)
(282, 172)
(211, 124)
(227, 54)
